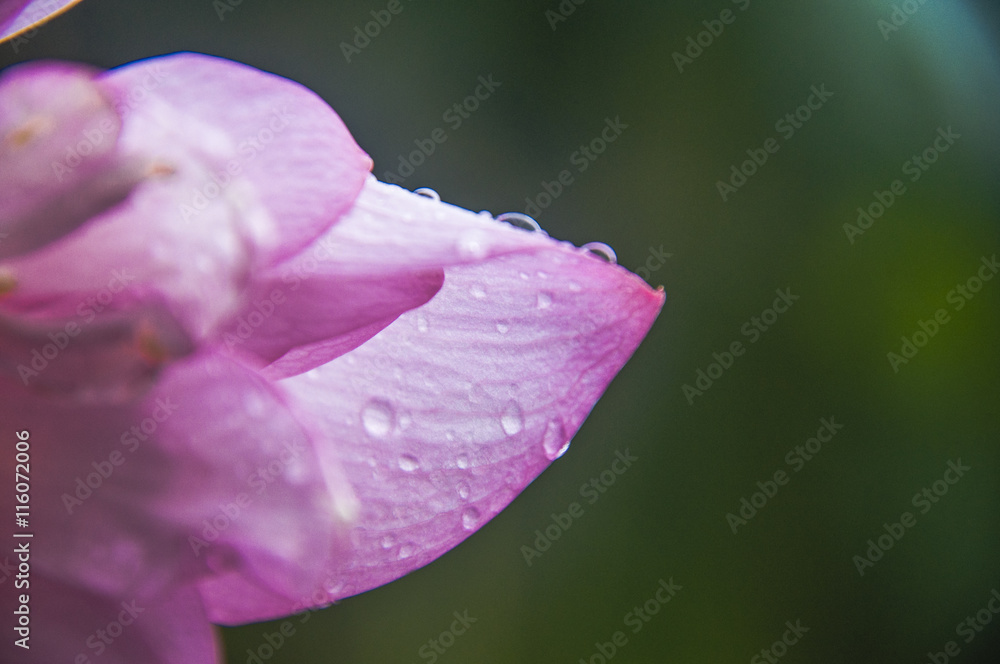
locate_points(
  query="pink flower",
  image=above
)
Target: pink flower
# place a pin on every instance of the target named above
(250, 378)
(17, 16)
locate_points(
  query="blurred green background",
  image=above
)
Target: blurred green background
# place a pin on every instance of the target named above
(654, 191)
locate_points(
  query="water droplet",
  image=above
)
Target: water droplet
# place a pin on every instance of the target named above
(525, 276)
(408, 463)
(522, 221)
(405, 420)
(503, 328)
(544, 300)
(554, 441)
(512, 419)
(601, 250)
(463, 490)
(333, 588)
(388, 541)
(472, 246)
(575, 287)
(470, 518)
(542, 275)
(462, 461)
(406, 551)
(427, 192)
(377, 417)
(478, 292)
(422, 325)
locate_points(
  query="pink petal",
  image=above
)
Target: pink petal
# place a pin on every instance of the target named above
(310, 321)
(200, 265)
(211, 475)
(446, 415)
(49, 116)
(293, 148)
(384, 257)
(243, 456)
(69, 624)
(113, 355)
(19, 15)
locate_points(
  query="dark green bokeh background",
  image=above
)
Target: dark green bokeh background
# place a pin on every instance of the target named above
(655, 186)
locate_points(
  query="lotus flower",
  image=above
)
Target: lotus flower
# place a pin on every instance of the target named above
(18, 16)
(248, 378)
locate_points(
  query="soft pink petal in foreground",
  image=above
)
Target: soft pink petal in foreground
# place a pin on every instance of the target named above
(49, 114)
(268, 515)
(222, 197)
(201, 266)
(113, 356)
(441, 419)
(17, 16)
(285, 140)
(69, 625)
(211, 478)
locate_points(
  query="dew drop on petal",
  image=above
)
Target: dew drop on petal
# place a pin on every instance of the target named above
(503, 328)
(522, 221)
(512, 419)
(463, 490)
(406, 551)
(377, 417)
(602, 250)
(554, 441)
(470, 518)
(388, 541)
(462, 461)
(575, 287)
(472, 246)
(408, 463)
(478, 292)
(544, 300)
(422, 325)
(427, 192)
